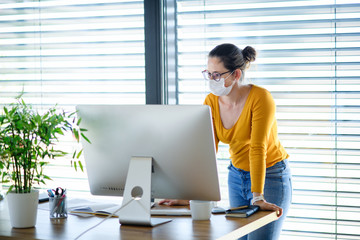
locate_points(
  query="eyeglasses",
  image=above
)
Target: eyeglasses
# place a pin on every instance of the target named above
(214, 76)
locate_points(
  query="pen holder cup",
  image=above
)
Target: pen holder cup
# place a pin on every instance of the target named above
(58, 208)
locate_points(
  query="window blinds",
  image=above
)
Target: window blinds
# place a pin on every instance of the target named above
(69, 53)
(308, 57)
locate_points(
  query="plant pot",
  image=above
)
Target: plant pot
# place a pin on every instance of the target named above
(23, 208)
(1, 192)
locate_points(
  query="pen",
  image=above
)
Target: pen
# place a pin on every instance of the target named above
(237, 208)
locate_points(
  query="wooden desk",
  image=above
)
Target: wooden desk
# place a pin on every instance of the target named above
(218, 227)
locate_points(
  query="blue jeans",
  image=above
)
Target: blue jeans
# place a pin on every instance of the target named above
(277, 190)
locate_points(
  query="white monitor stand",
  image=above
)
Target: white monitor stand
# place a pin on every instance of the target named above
(137, 195)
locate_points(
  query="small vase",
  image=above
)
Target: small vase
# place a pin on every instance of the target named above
(23, 208)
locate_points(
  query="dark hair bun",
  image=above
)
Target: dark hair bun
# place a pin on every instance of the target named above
(249, 54)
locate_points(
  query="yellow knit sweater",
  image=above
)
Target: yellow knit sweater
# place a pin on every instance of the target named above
(253, 140)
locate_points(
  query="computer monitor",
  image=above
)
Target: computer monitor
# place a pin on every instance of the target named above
(149, 151)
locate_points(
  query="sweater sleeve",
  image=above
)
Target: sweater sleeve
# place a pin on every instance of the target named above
(211, 104)
(263, 114)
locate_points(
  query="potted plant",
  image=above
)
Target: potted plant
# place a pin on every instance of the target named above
(27, 142)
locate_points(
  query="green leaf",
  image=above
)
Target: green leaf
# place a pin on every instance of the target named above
(79, 154)
(85, 138)
(81, 166)
(59, 131)
(78, 122)
(10, 188)
(42, 164)
(71, 114)
(75, 165)
(20, 95)
(76, 134)
(47, 177)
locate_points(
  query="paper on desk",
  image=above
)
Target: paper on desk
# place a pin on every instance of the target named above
(104, 209)
(85, 208)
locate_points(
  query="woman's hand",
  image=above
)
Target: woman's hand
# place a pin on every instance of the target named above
(174, 202)
(269, 206)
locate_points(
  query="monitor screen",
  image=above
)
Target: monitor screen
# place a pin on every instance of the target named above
(178, 138)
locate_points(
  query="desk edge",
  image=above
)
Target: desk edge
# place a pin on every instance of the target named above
(250, 227)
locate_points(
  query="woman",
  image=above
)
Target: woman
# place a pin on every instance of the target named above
(244, 117)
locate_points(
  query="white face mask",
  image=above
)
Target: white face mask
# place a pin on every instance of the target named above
(218, 88)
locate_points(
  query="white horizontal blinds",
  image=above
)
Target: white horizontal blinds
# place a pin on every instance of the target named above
(69, 53)
(308, 57)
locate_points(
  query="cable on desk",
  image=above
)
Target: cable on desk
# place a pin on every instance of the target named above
(111, 215)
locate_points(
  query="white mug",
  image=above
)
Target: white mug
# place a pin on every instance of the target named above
(200, 210)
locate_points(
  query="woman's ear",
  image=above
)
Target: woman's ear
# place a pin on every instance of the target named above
(238, 74)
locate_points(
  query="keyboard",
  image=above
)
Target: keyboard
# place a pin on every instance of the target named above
(171, 212)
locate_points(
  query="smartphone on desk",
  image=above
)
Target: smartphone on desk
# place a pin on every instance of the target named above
(43, 197)
(218, 210)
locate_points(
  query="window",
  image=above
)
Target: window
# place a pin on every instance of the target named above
(69, 53)
(308, 57)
